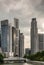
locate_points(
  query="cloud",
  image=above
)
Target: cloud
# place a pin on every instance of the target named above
(24, 10)
(40, 22)
(7, 5)
(38, 6)
(26, 31)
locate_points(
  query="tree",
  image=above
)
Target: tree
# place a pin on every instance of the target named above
(1, 58)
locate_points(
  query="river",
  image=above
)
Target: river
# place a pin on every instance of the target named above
(21, 64)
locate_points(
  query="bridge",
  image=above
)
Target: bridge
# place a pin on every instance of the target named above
(14, 59)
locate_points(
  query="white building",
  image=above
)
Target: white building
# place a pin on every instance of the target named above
(16, 24)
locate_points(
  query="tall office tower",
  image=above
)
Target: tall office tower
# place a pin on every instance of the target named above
(21, 45)
(34, 36)
(5, 36)
(13, 39)
(41, 42)
(10, 40)
(16, 24)
(0, 43)
(0, 38)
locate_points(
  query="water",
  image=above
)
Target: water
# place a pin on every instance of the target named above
(21, 64)
(17, 64)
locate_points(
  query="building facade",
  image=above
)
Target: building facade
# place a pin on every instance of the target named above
(21, 45)
(5, 36)
(41, 42)
(0, 42)
(16, 24)
(34, 37)
(0, 39)
(13, 39)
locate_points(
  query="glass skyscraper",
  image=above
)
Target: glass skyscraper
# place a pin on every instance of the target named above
(4, 35)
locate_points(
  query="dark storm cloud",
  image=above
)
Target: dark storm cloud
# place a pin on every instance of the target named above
(38, 5)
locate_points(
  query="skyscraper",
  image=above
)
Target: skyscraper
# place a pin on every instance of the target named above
(5, 36)
(10, 42)
(13, 39)
(34, 37)
(21, 45)
(41, 42)
(0, 39)
(16, 24)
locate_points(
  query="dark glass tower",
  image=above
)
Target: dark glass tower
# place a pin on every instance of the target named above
(4, 35)
(34, 36)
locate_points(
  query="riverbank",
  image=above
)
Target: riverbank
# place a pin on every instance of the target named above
(36, 62)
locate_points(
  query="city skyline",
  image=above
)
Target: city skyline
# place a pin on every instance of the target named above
(24, 10)
(11, 39)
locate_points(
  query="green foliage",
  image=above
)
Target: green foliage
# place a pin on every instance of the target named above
(39, 56)
(1, 58)
(26, 56)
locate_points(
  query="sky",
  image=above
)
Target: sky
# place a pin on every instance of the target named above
(24, 10)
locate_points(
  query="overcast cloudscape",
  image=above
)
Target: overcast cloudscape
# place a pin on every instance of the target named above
(24, 10)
